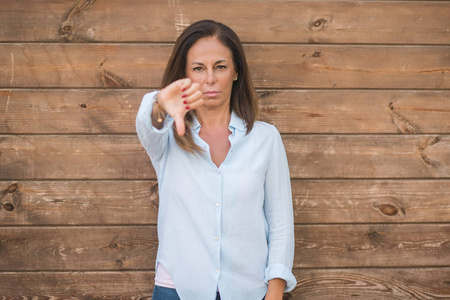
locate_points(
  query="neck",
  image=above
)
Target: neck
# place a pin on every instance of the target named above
(209, 118)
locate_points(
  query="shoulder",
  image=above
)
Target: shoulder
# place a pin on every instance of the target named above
(265, 129)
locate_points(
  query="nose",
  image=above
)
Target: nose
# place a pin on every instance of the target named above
(211, 77)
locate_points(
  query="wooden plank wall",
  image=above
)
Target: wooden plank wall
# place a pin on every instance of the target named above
(359, 89)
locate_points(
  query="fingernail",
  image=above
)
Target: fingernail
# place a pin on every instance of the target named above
(183, 89)
(184, 102)
(183, 96)
(187, 107)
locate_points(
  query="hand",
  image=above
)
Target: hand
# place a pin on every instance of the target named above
(178, 98)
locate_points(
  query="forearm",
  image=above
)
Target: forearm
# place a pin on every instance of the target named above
(158, 115)
(275, 289)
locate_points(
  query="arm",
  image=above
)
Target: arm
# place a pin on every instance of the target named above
(159, 110)
(276, 289)
(280, 219)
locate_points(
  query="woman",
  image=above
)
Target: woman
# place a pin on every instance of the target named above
(225, 220)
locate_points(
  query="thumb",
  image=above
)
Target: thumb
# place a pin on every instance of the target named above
(179, 124)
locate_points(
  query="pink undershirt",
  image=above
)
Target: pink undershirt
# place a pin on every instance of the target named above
(163, 278)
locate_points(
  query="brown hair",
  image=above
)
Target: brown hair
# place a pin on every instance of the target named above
(244, 101)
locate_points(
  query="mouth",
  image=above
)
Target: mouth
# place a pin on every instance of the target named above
(211, 94)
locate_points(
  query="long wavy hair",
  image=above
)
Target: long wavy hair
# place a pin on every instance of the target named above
(244, 101)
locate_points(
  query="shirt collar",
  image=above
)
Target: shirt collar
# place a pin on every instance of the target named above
(235, 122)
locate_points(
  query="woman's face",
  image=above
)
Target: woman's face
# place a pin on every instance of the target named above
(210, 64)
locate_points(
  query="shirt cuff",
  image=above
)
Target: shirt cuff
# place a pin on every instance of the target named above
(168, 121)
(280, 271)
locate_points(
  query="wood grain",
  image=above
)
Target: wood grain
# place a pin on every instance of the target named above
(124, 285)
(303, 66)
(384, 22)
(78, 203)
(134, 247)
(26, 157)
(136, 202)
(371, 201)
(78, 248)
(320, 284)
(372, 284)
(112, 111)
(372, 245)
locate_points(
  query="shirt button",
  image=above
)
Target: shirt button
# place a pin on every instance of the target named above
(217, 270)
(217, 204)
(216, 238)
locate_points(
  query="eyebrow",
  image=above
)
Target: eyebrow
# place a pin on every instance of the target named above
(217, 62)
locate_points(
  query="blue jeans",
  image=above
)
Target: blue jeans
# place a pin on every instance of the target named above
(163, 293)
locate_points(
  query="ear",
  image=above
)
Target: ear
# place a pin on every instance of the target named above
(235, 76)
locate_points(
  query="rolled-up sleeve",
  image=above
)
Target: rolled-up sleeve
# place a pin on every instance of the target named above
(279, 215)
(152, 139)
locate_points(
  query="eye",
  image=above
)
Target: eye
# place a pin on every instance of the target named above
(221, 67)
(197, 69)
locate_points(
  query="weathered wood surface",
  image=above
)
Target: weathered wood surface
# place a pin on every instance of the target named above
(371, 201)
(136, 202)
(25, 157)
(107, 111)
(78, 202)
(134, 247)
(372, 284)
(367, 284)
(124, 285)
(303, 66)
(402, 22)
(78, 248)
(372, 245)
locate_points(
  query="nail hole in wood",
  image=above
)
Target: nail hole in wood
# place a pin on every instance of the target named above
(119, 263)
(83, 105)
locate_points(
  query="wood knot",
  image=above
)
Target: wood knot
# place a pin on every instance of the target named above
(317, 54)
(388, 209)
(114, 246)
(372, 234)
(319, 22)
(12, 188)
(67, 27)
(82, 105)
(65, 30)
(119, 263)
(9, 207)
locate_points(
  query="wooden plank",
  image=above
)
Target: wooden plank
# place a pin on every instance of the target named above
(375, 284)
(368, 156)
(371, 201)
(134, 247)
(26, 157)
(318, 284)
(105, 111)
(371, 245)
(272, 66)
(74, 157)
(78, 248)
(402, 22)
(124, 285)
(136, 202)
(78, 202)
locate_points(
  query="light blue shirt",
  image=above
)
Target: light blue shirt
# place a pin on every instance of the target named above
(230, 227)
